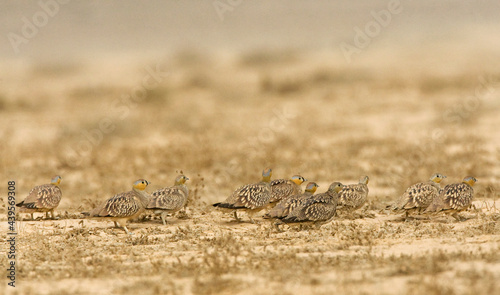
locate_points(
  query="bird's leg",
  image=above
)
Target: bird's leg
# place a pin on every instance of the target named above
(32, 218)
(47, 215)
(126, 230)
(278, 227)
(458, 217)
(116, 224)
(236, 216)
(163, 215)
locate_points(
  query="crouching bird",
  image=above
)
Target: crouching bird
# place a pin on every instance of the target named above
(287, 205)
(419, 196)
(318, 209)
(454, 198)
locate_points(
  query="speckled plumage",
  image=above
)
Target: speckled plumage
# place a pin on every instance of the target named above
(250, 198)
(285, 206)
(353, 196)
(283, 188)
(454, 198)
(318, 209)
(124, 206)
(419, 196)
(42, 198)
(169, 199)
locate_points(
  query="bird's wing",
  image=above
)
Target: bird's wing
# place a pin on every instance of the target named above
(170, 198)
(250, 196)
(120, 205)
(281, 188)
(45, 196)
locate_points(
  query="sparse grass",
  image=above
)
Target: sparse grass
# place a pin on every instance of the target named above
(221, 131)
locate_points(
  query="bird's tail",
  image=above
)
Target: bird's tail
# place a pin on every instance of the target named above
(227, 206)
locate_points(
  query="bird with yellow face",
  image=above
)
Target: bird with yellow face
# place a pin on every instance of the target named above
(419, 196)
(124, 206)
(454, 198)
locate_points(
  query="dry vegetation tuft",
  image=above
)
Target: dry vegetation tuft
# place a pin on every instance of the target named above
(221, 123)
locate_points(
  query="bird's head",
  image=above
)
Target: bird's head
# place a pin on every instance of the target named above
(437, 177)
(181, 179)
(266, 175)
(56, 180)
(297, 179)
(364, 179)
(336, 186)
(141, 184)
(470, 180)
(312, 187)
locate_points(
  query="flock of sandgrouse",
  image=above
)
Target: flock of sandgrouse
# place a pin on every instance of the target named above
(283, 198)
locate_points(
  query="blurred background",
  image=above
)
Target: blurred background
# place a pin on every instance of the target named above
(105, 93)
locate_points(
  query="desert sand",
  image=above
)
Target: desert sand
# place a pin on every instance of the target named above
(221, 99)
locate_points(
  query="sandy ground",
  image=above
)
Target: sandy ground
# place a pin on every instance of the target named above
(208, 253)
(230, 100)
(221, 128)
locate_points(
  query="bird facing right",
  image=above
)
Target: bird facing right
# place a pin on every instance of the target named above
(124, 206)
(42, 198)
(250, 198)
(419, 196)
(169, 199)
(285, 206)
(318, 209)
(283, 188)
(454, 198)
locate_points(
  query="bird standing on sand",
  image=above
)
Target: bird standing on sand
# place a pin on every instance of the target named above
(419, 196)
(287, 205)
(42, 198)
(250, 198)
(353, 196)
(317, 209)
(454, 198)
(169, 199)
(283, 188)
(124, 206)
